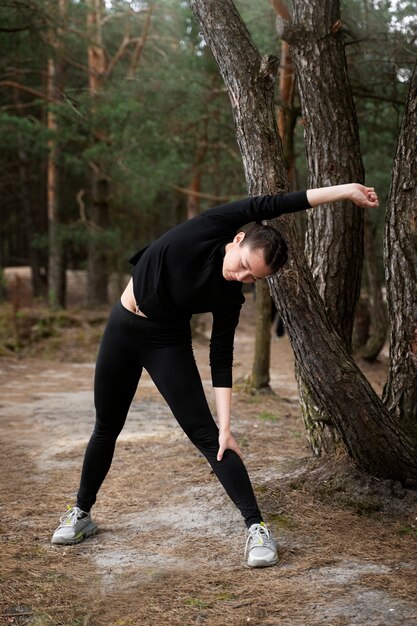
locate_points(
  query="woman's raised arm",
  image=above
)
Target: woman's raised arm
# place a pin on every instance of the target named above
(362, 196)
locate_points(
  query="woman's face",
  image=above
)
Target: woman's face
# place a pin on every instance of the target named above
(243, 264)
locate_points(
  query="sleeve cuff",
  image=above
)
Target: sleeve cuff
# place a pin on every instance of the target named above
(222, 379)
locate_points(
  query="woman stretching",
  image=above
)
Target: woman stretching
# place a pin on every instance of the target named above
(196, 267)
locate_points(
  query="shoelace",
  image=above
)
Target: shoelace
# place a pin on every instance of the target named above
(258, 536)
(71, 517)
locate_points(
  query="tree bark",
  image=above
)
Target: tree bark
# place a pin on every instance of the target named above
(400, 394)
(366, 428)
(334, 243)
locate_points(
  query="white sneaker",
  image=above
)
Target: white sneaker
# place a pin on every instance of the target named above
(261, 547)
(75, 526)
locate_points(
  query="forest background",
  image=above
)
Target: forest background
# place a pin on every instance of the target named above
(116, 125)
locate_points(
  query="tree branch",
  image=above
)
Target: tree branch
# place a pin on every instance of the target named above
(199, 194)
(13, 85)
(141, 43)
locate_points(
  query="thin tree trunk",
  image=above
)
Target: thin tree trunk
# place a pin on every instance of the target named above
(287, 114)
(141, 43)
(27, 202)
(400, 394)
(260, 376)
(366, 428)
(99, 206)
(97, 263)
(56, 268)
(334, 243)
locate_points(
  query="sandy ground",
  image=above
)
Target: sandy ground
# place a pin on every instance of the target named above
(170, 546)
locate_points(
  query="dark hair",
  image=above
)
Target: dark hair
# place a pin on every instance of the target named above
(264, 237)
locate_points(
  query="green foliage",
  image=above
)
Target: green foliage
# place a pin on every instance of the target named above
(381, 51)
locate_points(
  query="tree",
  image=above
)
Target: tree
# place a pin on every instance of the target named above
(400, 393)
(22, 100)
(287, 112)
(369, 432)
(56, 265)
(334, 238)
(97, 264)
(286, 119)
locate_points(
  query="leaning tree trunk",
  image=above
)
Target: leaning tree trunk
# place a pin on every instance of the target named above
(366, 428)
(334, 238)
(400, 394)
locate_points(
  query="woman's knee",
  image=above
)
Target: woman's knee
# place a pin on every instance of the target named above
(104, 431)
(206, 437)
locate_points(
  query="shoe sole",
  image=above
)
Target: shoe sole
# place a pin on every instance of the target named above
(77, 539)
(260, 565)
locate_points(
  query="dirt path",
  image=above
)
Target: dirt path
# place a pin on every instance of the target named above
(170, 545)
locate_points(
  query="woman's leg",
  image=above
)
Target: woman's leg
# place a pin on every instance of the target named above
(117, 374)
(174, 371)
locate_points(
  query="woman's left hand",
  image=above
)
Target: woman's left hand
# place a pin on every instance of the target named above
(227, 442)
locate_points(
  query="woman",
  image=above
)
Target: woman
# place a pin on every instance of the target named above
(196, 267)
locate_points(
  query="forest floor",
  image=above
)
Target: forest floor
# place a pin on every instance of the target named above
(170, 546)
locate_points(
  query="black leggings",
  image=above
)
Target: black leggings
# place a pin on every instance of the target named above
(130, 343)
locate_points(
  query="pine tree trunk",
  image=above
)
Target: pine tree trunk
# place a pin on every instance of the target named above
(28, 203)
(366, 428)
(400, 394)
(335, 232)
(56, 268)
(334, 238)
(262, 359)
(287, 114)
(97, 263)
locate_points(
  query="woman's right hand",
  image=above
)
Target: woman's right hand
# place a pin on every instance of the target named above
(364, 197)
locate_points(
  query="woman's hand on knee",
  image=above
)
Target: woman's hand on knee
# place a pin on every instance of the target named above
(227, 442)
